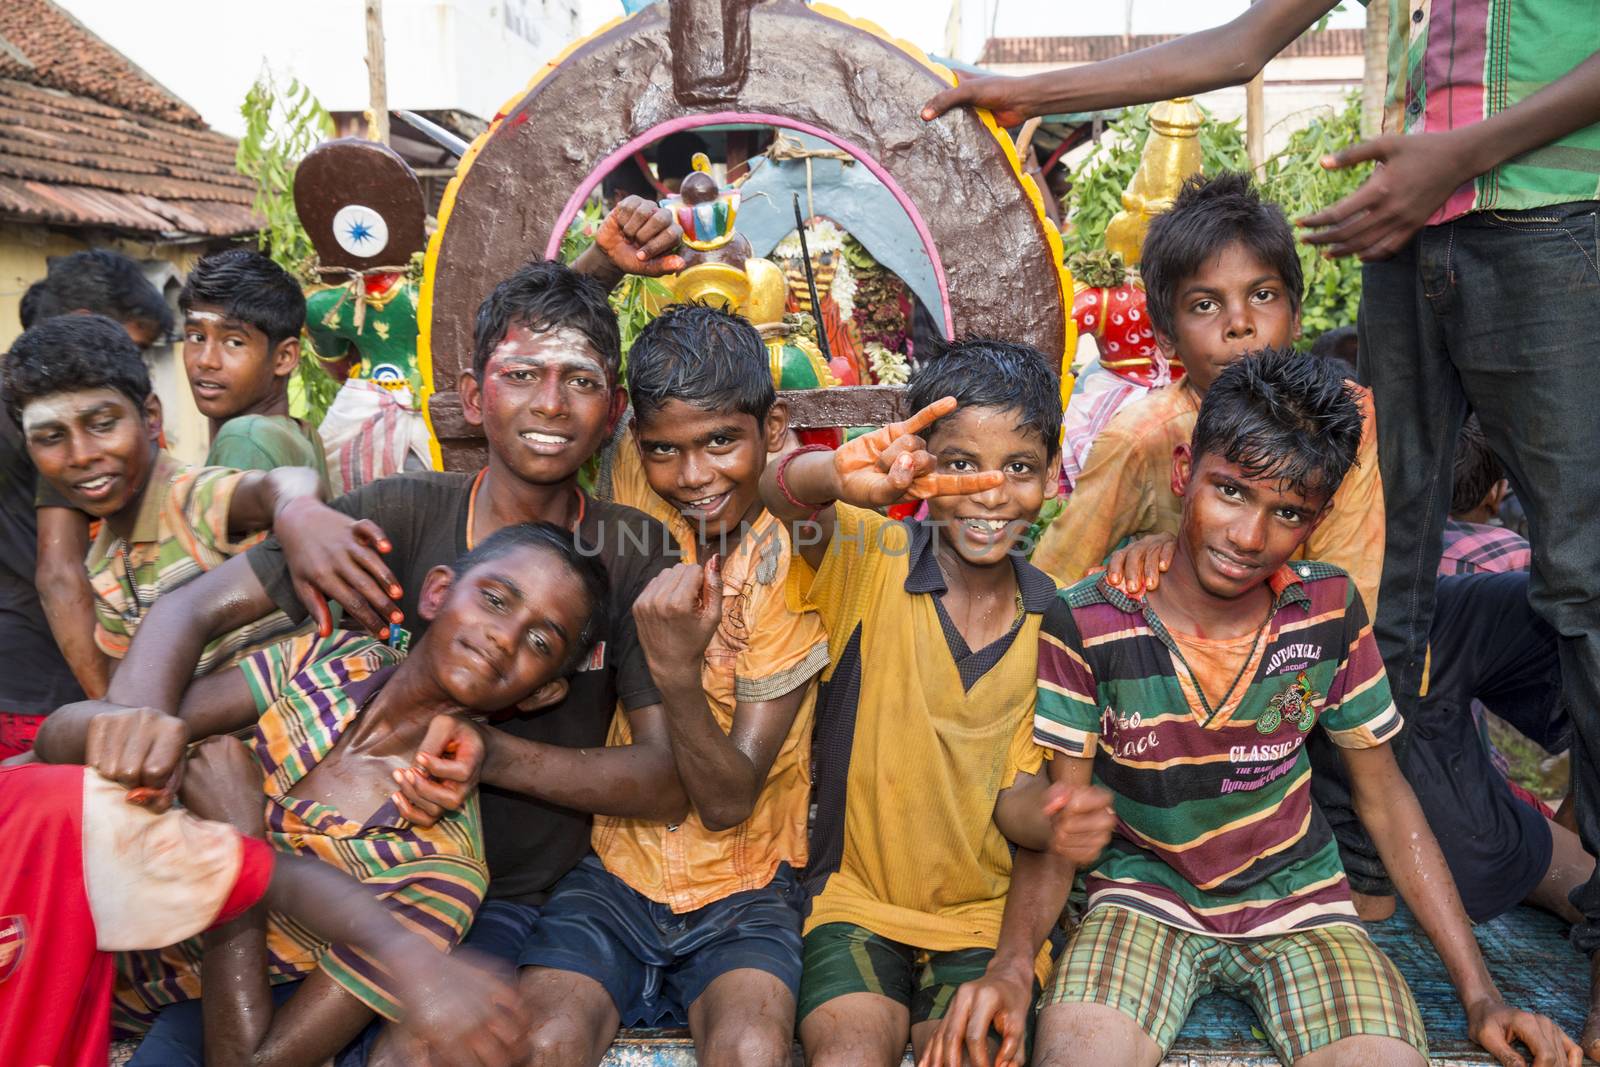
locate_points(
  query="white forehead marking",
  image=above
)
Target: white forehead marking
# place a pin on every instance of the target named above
(205, 316)
(563, 347)
(50, 409)
(360, 230)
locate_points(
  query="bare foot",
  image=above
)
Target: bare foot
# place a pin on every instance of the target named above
(1591, 1024)
(1372, 909)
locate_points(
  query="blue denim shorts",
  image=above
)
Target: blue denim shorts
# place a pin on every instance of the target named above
(655, 963)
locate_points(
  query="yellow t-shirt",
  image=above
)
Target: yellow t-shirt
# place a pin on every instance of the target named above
(911, 755)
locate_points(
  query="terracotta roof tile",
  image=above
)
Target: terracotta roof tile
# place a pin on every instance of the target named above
(88, 139)
(1009, 50)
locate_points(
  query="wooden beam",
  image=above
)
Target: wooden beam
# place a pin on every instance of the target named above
(377, 74)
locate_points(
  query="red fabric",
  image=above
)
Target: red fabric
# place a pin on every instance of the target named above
(17, 733)
(255, 874)
(55, 986)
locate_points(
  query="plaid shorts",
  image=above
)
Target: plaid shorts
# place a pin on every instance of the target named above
(1309, 989)
(843, 958)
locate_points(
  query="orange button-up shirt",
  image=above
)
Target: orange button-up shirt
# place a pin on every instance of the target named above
(762, 650)
(1125, 491)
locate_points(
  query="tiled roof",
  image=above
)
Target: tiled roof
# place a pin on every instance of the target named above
(89, 140)
(1005, 50)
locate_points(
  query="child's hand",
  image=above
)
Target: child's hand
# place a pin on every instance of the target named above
(893, 464)
(141, 748)
(640, 237)
(222, 782)
(461, 1015)
(1137, 567)
(1496, 1026)
(334, 557)
(995, 1002)
(444, 773)
(1081, 821)
(677, 615)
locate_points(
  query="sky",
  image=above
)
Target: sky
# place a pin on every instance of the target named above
(922, 22)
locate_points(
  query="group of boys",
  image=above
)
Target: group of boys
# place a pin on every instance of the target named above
(583, 736)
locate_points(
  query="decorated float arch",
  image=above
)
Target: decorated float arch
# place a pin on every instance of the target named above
(685, 64)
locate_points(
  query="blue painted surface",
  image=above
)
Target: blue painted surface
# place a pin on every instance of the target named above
(850, 196)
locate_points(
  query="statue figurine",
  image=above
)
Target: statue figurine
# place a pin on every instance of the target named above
(1171, 154)
(363, 209)
(714, 251)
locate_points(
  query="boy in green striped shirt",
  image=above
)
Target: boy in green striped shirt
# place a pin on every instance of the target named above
(1192, 706)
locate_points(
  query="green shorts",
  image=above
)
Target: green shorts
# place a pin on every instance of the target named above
(842, 958)
(1309, 988)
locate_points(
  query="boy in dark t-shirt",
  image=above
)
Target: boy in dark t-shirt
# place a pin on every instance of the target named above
(544, 387)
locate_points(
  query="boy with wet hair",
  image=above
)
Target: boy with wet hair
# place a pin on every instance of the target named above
(242, 316)
(1473, 542)
(698, 923)
(79, 390)
(1193, 706)
(331, 721)
(100, 282)
(1222, 278)
(543, 385)
(924, 715)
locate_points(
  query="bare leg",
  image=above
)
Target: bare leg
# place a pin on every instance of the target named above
(1372, 909)
(856, 1030)
(1366, 1050)
(1073, 1034)
(574, 1020)
(923, 1031)
(745, 1018)
(1570, 867)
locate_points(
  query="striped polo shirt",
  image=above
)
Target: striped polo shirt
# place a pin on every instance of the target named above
(1453, 63)
(179, 533)
(1216, 831)
(309, 691)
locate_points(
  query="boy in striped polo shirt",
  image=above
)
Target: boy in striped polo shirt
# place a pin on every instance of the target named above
(1192, 706)
(333, 721)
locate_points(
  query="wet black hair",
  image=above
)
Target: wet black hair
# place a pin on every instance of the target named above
(247, 286)
(102, 282)
(985, 373)
(33, 303)
(702, 356)
(1477, 468)
(1208, 215)
(553, 539)
(1282, 414)
(545, 295)
(70, 353)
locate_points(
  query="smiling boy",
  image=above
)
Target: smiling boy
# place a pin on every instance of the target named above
(923, 718)
(242, 315)
(332, 720)
(698, 923)
(1193, 706)
(81, 393)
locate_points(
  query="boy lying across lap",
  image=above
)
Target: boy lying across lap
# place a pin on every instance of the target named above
(924, 716)
(1193, 706)
(97, 874)
(334, 718)
(698, 922)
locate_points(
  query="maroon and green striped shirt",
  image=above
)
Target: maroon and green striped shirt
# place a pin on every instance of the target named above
(1453, 63)
(1216, 831)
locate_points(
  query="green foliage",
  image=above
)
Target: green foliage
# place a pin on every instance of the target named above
(1294, 178)
(580, 235)
(281, 126)
(636, 301)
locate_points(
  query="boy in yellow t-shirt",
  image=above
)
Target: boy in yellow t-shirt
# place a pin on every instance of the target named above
(698, 923)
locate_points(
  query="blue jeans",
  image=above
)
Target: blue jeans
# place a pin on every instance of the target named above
(177, 1039)
(1497, 313)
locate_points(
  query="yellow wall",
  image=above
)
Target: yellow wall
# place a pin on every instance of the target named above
(24, 251)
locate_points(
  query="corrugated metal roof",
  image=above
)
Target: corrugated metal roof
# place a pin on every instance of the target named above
(1092, 49)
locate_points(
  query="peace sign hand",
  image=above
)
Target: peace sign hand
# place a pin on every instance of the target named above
(893, 464)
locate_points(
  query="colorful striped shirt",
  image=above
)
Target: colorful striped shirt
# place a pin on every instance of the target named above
(1216, 831)
(309, 691)
(1453, 63)
(180, 532)
(1471, 547)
